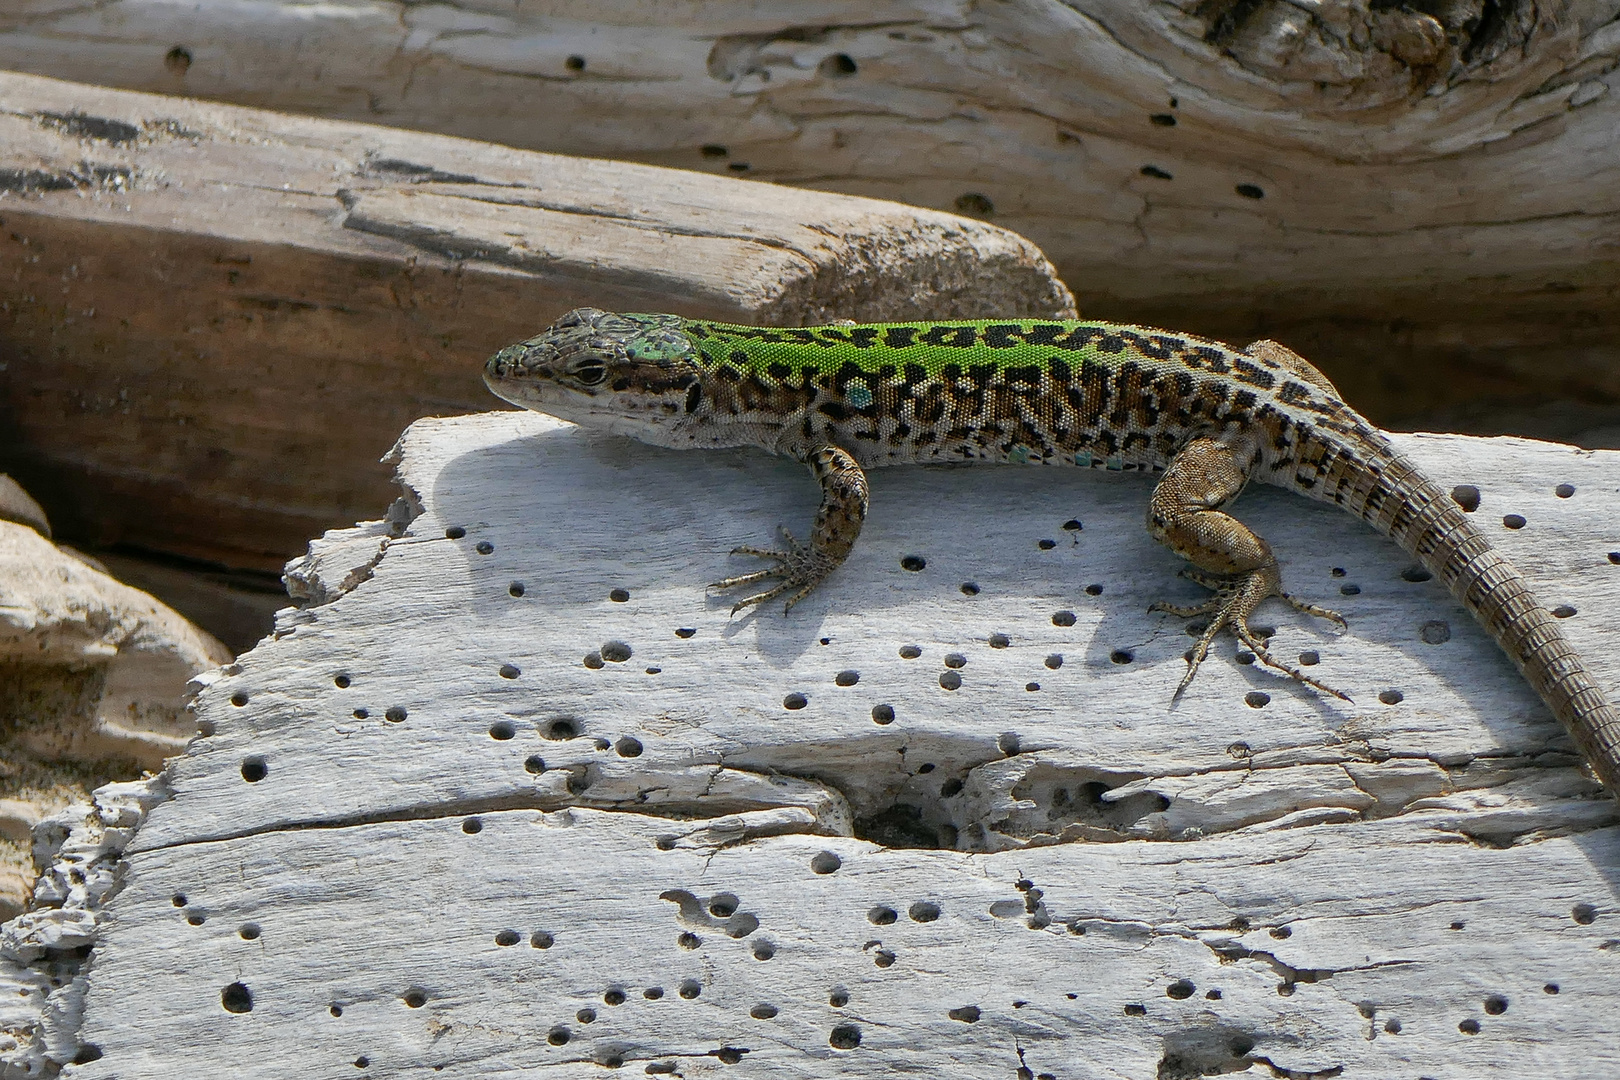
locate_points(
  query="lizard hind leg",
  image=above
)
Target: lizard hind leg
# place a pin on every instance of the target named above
(1184, 514)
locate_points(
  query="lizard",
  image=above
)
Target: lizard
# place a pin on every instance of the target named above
(845, 397)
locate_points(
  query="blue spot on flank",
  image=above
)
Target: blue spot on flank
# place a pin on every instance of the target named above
(1018, 455)
(859, 396)
(1083, 460)
(1116, 463)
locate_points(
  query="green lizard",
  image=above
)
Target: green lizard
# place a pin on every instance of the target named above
(1089, 394)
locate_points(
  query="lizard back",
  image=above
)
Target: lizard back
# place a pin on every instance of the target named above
(1089, 394)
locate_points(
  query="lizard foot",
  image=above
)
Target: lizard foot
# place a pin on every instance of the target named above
(1235, 599)
(798, 567)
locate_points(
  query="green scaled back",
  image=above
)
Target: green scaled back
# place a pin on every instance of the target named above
(1000, 344)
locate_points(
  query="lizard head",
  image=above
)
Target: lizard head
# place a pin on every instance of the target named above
(634, 371)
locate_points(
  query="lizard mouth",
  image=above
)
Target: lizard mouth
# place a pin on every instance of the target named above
(543, 395)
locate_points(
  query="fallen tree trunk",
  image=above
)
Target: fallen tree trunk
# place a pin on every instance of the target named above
(1419, 197)
(214, 320)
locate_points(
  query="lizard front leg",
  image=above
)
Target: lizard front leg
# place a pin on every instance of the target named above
(1185, 515)
(838, 524)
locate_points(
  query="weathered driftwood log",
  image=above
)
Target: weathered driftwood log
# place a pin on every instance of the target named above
(513, 792)
(1418, 196)
(214, 320)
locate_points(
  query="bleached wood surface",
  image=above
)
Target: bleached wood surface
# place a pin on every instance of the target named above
(1289, 884)
(1395, 189)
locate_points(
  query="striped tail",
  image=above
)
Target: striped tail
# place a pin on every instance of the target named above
(1399, 501)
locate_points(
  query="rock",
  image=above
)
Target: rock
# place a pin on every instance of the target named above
(95, 668)
(93, 687)
(17, 505)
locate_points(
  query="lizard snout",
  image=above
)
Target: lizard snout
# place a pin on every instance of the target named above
(521, 361)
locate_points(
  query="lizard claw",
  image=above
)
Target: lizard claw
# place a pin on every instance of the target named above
(798, 567)
(1234, 601)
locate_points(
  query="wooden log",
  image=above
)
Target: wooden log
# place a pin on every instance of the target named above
(1417, 196)
(514, 792)
(215, 320)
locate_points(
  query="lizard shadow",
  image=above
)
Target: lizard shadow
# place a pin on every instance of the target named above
(1114, 568)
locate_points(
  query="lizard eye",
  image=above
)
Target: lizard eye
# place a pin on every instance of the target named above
(590, 373)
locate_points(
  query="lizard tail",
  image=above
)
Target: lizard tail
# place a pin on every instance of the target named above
(1411, 509)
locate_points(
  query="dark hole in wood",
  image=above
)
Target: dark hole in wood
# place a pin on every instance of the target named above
(236, 998)
(973, 202)
(838, 66)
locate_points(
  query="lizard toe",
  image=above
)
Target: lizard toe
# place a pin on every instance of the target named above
(799, 567)
(1236, 599)
(1307, 608)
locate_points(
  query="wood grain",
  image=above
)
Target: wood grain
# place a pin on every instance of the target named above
(476, 739)
(1418, 197)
